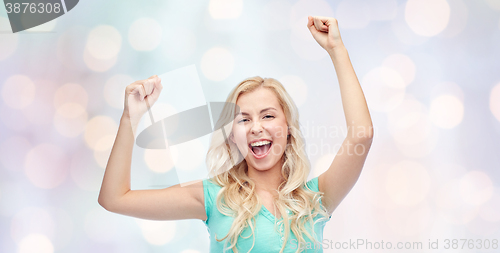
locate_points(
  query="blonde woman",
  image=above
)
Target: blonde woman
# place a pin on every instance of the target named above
(258, 174)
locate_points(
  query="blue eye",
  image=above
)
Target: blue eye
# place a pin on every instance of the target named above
(241, 120)
(269, 116)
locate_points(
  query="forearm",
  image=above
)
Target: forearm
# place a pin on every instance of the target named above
(116, 181)
(357, 115)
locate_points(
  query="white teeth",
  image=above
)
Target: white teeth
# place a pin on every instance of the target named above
(259, 143)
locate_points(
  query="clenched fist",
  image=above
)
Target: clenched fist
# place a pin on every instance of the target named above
(140, 96)
(325, 31)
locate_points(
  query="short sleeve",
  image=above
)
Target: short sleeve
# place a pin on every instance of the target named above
(210, 191)
(314, 186)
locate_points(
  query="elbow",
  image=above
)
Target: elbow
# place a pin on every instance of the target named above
(365, 136)
(102, 202)
(369, 133)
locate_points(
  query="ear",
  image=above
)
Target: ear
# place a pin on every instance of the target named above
(231, 137)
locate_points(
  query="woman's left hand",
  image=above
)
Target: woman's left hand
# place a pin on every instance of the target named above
(325, 31)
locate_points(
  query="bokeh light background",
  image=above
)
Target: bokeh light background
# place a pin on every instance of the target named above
(428, 68)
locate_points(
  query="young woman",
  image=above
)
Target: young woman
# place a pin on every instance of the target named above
(259, 173)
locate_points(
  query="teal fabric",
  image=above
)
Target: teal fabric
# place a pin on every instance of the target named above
(267, 237)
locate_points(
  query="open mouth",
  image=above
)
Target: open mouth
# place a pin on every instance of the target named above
(262, 151)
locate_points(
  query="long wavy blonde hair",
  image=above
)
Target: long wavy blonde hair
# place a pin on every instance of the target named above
(237, 197)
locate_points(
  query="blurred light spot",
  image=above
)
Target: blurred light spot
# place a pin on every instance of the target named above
(446, 111)
(12, 119)
(306, 49)
(403, 65)
(448, 88)
(384, 88)
(64, 227)
(403, 32)
(97, 128)
(13, 151)
(102, 149)
(495, 4)
(186, 156)
(353, 14)
(458, 18)
(303, 43)
(105, 227)
(376, 192)
(490, 211)
(145, 34)
(41, 111)
(383, 9)
(98, 65)
(451, 206)
(35, 243)
(159, 160)
(8, 41)
(113, 87)
(217, 64)
(225, 9)
(157, 232)
(407, 183)
(71, 93)
(296, 87)
(104, 42)
(85, 173)
(181, 44)
(495, 101)
(53, 222)
(18, 91)
(480, 227)
(46, 166)
(45, 27)
(16, 199)
(32, 220)
(408, 123)
(70, 47)
(427, 17)
(419, 149)
(70, 119)
(408, 221)
(322, 164)
(444, 171)
(276, 15)
(476, 188)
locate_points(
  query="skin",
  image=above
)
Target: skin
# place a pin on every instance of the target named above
(187, 202)
(270, 124)
(340, 177)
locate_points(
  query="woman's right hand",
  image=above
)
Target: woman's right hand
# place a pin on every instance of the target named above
(140, 95)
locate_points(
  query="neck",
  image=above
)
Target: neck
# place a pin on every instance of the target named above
(267, 180)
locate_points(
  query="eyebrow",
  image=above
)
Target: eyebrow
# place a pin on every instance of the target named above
(263, 110)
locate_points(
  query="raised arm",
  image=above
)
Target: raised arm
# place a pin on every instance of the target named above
(346, 167)
(172, 203)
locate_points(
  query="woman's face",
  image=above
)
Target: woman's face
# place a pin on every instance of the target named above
(260, 130)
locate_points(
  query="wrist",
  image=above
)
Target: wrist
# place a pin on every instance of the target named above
(126, 119)
(336, 50)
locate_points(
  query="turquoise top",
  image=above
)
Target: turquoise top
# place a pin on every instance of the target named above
(267, 238)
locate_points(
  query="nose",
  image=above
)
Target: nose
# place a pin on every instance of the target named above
(256, 128)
